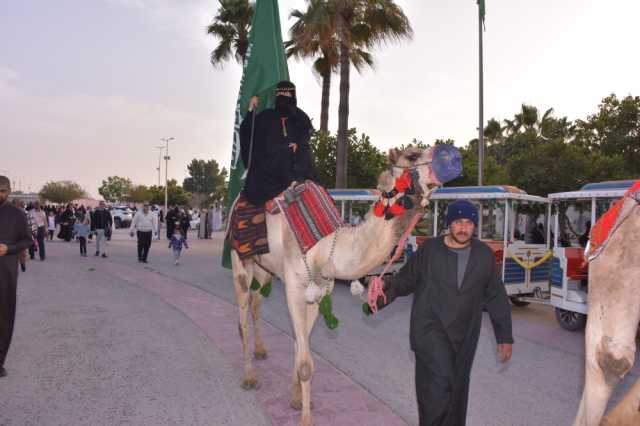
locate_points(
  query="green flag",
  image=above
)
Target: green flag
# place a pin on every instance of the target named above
(481, 9)
(264, 66)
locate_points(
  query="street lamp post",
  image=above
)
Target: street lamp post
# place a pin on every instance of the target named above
(166, 173)
(160, 148)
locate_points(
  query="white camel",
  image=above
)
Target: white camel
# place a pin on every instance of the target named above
(358, 250)
(612, 325)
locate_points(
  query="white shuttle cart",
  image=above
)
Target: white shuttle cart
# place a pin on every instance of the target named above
(573, 214)
(515, 226)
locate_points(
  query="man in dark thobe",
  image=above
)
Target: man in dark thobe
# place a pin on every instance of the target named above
(279, 153)
(14, 238)
(452, 278)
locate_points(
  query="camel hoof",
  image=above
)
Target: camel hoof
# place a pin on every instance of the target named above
(260, 355)
(306, 421)
(248, 384)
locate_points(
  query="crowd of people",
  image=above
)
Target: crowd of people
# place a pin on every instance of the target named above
(74, 222)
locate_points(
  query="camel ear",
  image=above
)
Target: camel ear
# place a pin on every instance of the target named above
(394, 155)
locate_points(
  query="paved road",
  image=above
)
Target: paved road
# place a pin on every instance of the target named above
(77, 330)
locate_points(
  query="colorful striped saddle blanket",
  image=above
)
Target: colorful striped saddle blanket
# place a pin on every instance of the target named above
(310, 212)
(247, 228)
(609, 222)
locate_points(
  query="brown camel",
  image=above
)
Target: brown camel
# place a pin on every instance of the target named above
(612, 324)
(358, 250)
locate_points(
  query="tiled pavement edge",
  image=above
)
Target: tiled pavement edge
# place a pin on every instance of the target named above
(337, 399)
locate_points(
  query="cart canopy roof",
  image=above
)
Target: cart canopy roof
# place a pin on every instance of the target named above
(485, 192)
(607, 189)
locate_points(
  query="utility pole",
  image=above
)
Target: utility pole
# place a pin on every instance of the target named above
(481, 11)
(160, 148)
(166, 173)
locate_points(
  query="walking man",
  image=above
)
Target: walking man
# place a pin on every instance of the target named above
(101, 223)
(144, 223)
(452, 278)
(41, 223)
(15, 237)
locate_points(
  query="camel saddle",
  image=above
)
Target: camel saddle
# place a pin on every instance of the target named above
(307, 207)
(606, 226)
(309, 211)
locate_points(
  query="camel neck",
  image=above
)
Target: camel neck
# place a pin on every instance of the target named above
(362, 248)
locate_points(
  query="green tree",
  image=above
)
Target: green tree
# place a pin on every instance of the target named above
(62, 191)
(493, 132)
(366, 165)
(528, 120)
(361, 23)
(115, 188)
(614, 131)
(314, 35)
(231, 26)
(138, 194)
(206, 178)
(177, 196)
(552, 167)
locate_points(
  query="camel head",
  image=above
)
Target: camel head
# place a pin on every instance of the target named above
(429, 168)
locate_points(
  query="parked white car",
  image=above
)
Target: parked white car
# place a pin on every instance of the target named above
(122, 216)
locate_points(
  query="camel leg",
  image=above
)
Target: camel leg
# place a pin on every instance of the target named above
(296, 389)
(260, 352)
(610, 340)
(596, 391)
(263, 277)
(627, 412)
(303, 362)
(242, 276)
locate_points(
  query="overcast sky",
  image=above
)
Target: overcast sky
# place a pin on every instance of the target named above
(88, 87)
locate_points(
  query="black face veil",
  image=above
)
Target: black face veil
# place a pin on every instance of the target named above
(285, 103)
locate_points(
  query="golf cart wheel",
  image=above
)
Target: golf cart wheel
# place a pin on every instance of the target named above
(519, 303)
(569, 320)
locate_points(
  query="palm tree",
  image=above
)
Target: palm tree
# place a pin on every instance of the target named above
(313, 35)
(493, 131)
(529, 120)
(361, 23)
(231, 25)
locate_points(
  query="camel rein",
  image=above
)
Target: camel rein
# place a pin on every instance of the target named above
(376, 286)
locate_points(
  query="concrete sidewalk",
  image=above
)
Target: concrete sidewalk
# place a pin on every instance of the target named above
(99, 342)
(92, 349)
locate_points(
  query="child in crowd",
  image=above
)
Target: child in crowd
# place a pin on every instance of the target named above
(81, 230)
(51, 224)
(177, 241)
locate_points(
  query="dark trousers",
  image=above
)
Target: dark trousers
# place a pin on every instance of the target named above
(83, 245)
(51, 232)
(144, 243)
(442, 386)
(32, 248)
(41, 236)
(8, 286)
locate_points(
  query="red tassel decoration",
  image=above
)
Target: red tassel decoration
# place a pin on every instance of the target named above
(403, 182)
(396, 209)
(378, 209)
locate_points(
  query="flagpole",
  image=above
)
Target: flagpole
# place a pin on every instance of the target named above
(481, 102)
